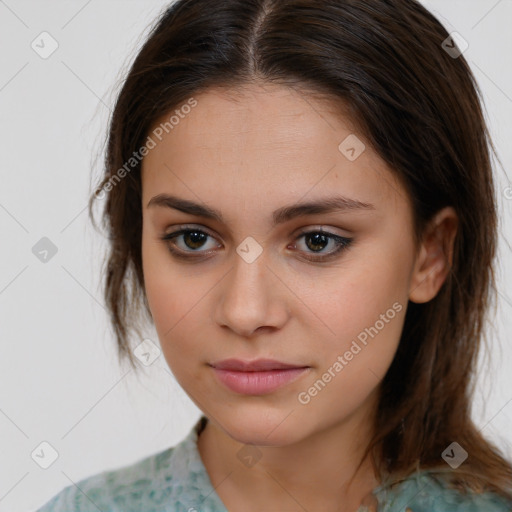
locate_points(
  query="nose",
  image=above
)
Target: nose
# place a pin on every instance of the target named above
(252, 298)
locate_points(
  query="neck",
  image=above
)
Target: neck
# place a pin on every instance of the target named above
(319, 472)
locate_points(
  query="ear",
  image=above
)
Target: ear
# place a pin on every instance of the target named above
(434, 257)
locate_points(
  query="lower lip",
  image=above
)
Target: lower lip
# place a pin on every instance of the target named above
(258, 383)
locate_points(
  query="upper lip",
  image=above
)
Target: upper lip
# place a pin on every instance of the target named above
(253, 366)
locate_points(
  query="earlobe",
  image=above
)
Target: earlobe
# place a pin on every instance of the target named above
(435, 257)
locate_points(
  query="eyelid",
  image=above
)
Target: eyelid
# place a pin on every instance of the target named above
(191, 227)
(341, 242)
(295, 235)
(319, 228)
(183, 229)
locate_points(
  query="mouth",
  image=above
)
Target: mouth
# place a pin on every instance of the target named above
(257, 377)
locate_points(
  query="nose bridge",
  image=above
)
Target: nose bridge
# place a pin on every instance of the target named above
(249, 299)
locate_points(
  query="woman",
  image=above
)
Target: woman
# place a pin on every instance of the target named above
(299, 195)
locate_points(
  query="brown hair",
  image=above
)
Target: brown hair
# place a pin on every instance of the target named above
(417, 106)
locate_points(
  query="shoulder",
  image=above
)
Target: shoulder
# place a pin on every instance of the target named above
(427, 492)
(129, 486)
(171, 480)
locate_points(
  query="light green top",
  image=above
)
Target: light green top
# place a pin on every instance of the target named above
(175, 480)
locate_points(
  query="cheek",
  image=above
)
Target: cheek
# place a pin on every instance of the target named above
(366, 314)
(175, 312)
(356, 299)
(164, 289)
(173, 302)
(176, 296)
(364, 310)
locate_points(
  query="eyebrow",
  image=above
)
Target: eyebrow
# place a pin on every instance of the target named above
(279, 216)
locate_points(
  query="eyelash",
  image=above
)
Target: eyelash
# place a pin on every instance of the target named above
(341, 242)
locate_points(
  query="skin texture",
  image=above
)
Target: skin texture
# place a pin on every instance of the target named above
(246, 154)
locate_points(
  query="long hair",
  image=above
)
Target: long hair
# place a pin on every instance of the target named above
(386, 62)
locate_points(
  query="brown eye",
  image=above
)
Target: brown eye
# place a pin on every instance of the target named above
(317, 241)
(193, 241)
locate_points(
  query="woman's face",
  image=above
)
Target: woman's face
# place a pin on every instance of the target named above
(252, 283)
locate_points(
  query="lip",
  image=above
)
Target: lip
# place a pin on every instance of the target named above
(258, 377)
(237, 365)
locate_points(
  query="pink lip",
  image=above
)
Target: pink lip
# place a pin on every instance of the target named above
(238, 365)
(256, 377)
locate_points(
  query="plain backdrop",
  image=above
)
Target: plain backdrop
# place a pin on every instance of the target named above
(60, 380)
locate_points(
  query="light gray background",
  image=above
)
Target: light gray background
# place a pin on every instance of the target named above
(61, 382)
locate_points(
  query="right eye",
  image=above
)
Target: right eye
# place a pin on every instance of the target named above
(192, 239)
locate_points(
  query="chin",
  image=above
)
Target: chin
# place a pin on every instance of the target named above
(268, 427)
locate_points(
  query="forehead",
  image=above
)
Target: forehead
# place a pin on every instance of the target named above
(259, 115)
(259, 143)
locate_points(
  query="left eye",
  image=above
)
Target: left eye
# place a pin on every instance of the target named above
(316, 241)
